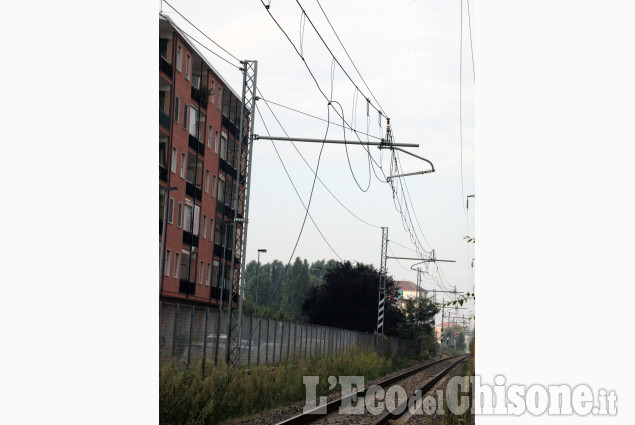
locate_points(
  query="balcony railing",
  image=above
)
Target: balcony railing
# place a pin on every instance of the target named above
(164, 120)
(198, 97)
(215, 293)
(190, 239)
(163, 173)
(193, 191)
(230, 126)
(165, 66)
(196, 145)
(186, 287)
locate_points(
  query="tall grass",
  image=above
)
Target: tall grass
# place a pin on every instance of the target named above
(183, 392)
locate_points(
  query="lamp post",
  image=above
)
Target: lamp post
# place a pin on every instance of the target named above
(166, 199)
(258, 279)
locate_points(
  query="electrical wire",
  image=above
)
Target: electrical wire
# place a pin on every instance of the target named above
(295, 188)
(469, 21)
(275, 289)
(205, 47)
(349, 57)
(204, 35)
(310, 168)
(318, 118)
(333, 55)
(461, 103)
(311, 72)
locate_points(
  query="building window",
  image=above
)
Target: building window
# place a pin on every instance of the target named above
(211, 226)
(221, 189)
(206, 181)
(166, 264)
(209, 274)
(200, 274)
(184, 116)
(216, 137)
(212, 84)
(197, 217)
(177, 263)
(179, 57)
(183, 165)
(215, 270)
(223, 146)
(193, 115)
(220, 97)
(214, 186)
(204, 226)
(173, 162)
(209, 137)
(188, 66)
(187, 218)
(170, 210)
(179, 216)
(177, 107)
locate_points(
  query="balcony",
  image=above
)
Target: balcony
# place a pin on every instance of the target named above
(196, 145)
(165, 66)
(197, 97)
(163, 173)
(218, 250)
(230, 126)
(164, 120)
(190, 239)
(186, 287)
(226, 168)
(215, 293)
(193, 191)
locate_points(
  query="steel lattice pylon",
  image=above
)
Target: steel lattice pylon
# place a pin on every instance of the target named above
(382, 281)
(241, 200)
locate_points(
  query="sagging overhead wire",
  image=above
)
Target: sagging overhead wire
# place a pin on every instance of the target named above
(310, 168)
(204, 35)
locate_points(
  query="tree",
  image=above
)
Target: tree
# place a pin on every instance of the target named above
(348, 299)
(296, 285)
(427, 311)
(449, 334)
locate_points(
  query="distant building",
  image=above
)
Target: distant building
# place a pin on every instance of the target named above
(407, 290)
(199, 115)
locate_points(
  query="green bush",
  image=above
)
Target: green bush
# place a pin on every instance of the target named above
(184, 392)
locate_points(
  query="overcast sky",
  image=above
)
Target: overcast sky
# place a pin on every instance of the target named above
(408, 54)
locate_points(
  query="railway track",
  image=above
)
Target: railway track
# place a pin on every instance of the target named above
(422, 377)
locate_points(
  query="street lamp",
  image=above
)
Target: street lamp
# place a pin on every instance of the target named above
(258, 278)
(165, 190)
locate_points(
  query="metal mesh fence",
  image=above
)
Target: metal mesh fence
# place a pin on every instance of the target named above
(191, 333)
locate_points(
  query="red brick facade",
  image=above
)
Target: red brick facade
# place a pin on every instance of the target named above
(197, 178)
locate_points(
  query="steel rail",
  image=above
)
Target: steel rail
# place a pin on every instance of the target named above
(316, 413)
(403, 407)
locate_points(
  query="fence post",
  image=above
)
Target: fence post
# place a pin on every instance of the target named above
(281, 339)
(267, 350)
(306, 338)
(204, 343)
(219, 325)
(275, 335)
(189, 339)
(251, 319)
(288, 341)
(258, 350)
(176, 316)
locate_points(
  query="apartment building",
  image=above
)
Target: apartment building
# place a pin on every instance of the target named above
(199, 154)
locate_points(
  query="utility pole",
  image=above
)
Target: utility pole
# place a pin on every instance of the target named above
(239, 239)
(417, 304)
(382, 281)
(442, 307)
